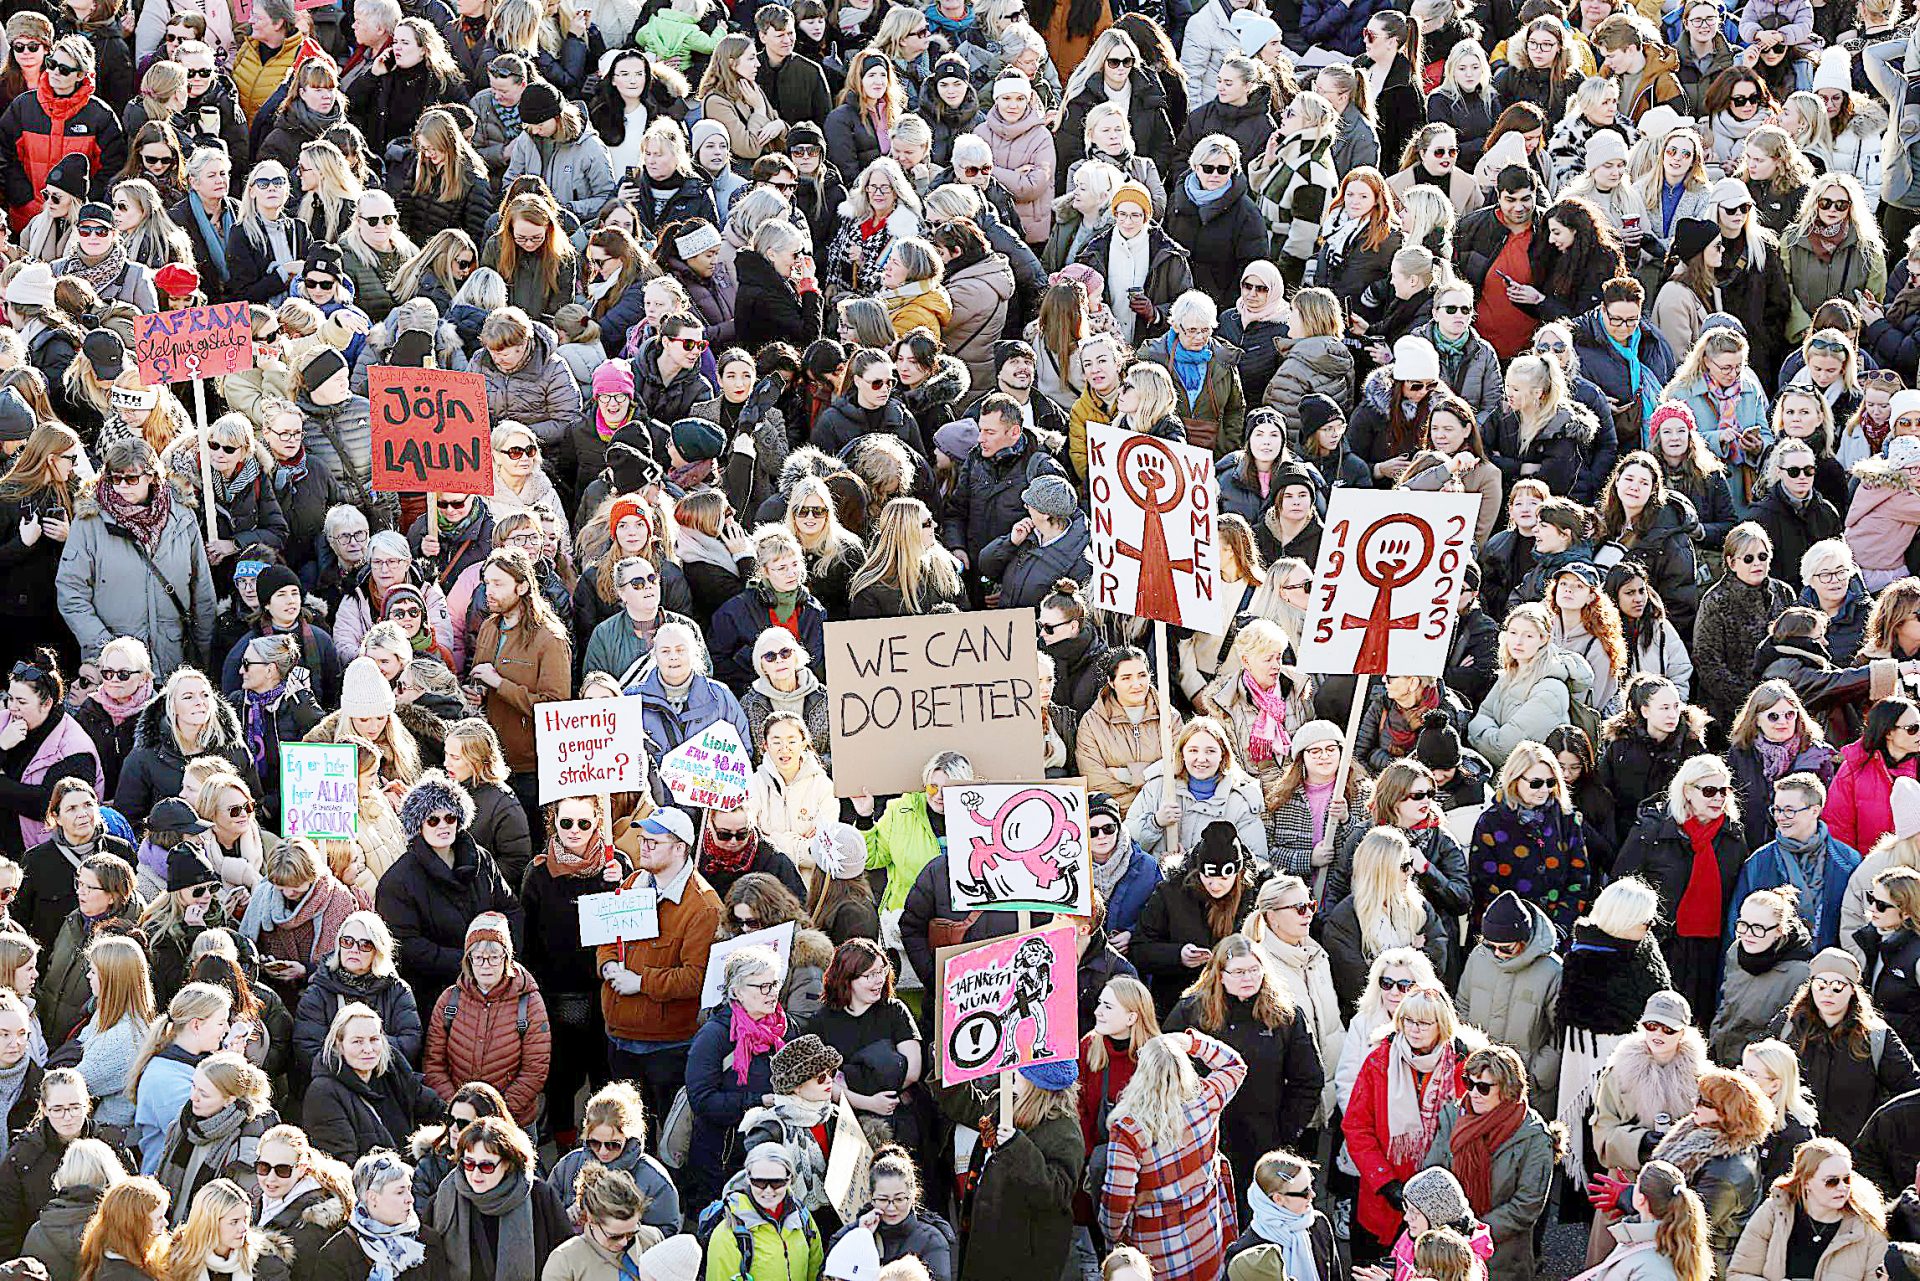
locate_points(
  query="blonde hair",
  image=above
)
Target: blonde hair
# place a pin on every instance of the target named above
(473, 740)
(1390, 908)
(195, 1240)
(126, 988)
(1522, 759)
(337, 1033)
(88, 1163)
(1694, 771)
(1137, 999)
(1796, 1101)
(194, 1001)
(1624, 906)
(1164, 1082)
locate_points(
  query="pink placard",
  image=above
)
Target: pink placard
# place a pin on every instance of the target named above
(1008, 1004)
(199, 342)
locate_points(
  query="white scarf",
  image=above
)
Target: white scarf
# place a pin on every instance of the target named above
(1127, 263)
(270, 1209)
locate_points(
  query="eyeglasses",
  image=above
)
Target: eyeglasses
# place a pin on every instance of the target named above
(1625, 322)
(765, 989)
(731, 836)
(521, 451)
(1833, 204)
(472, 1166)
(1658, 1029)
(1800, 472)
(282, 1171)
(1753, 929)
(1484, 1089)
(1395, 985)
(574, 824)
(347, 943)
(442, 820)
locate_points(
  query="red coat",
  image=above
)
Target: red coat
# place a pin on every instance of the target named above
(1860, 801)
(38, 130)
(1367, 1135)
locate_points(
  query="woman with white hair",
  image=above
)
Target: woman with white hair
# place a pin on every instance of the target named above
(266, 245)
(1208, 398)
(730, 1066)
(381, 1236)
(1680, 851)
(1833, 586)
(390, 565)
(881, 207)
(360, 968)
(1082, 213)
(1109, 136)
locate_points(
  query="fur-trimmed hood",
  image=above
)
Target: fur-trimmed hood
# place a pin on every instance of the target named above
(1878, 473)
(901, 223)
(434, 792)
(223, 732)
(1690, 1145)
(1661, 1094)
(1573, 421)
(810, 948)
(807, 460)
(1378, 388)
(948, 384)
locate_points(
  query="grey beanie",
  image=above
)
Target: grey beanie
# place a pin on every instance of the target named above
(1439, 1196)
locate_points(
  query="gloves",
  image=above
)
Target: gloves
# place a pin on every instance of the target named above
(620, 978)
(1604, 1192)
(1648, 1142)
(1391, 1194)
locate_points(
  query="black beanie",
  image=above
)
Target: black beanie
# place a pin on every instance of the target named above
(632, 470)
(1316, 411)
(1438, 744)
(16, 416)
(1507, 920)
(539, 103)
(1101, 803)
(321, 365)
(271, 580)
(411, 349)
(188, 867)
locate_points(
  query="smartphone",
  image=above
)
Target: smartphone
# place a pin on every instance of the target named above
(1503, 275)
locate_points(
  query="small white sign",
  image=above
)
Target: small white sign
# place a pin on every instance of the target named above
(629, 915)
(778, 937)
(590, 747)
(710, 770)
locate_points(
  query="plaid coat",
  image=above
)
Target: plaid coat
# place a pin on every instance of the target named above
(1176, 1204)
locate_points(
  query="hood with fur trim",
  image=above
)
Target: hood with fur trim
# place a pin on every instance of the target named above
(1377, 388)
(810, 948)
(223, 731)
(1573, 421)
(807, 460)
(1660, 1093)
(948, 384)
(1878, 473)
(434, 792)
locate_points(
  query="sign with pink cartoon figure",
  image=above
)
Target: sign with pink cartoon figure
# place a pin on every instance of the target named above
(1019, 846)
(1011, 1003)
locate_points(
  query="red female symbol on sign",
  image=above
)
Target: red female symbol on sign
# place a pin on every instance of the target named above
(1155, 595)
(1389, 564)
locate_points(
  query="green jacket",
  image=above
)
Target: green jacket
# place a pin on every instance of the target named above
(676, 37)
(902, 842)
(789, 1250)
(370, 291)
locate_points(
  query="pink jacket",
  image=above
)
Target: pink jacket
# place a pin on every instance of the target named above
(1482, 1245)
(66, 739)
(1881, 521)
(1860, 802)
(1023, 162)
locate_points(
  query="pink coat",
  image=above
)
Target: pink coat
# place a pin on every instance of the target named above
(1023, 162)
(1860, 802)
(1481, 1244)
(66, 739)
(1881, 521)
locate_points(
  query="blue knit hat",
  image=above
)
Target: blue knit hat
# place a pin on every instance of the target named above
(1052, 1076)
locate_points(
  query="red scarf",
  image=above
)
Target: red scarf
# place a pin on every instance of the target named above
(1476, 1138)
(1399, 726)
(1701, 913)
(728, 860)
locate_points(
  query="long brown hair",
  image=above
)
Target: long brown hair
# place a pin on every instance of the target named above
(555, 254)
(1272, 1007)
(124, 1225)
(32, 470)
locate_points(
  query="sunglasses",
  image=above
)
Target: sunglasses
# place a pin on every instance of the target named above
(1455, 309)
(613, 1146)
(1659, 1029)
(1426, 795)
(1801, 472)
(769, 1185)
(880, 384)
(317, 282)
(810, 513)
(241, 809)
(642, 580)
(1443, 151)
(346, 943)
(94, 229)
(1712, 790)
(732, 837)
(268, 180)
(28, 46)
(205, 73)
(1484, 1089)
(1214, 169)
(1255, 287)
(973, 171)
(1303, 908)
(1877, 903)
(154, 159)
(521, 451)
(1756, 558)
(1541, 782)
(472, 1166)
(1550, 347)
(282, 1171)
(442, 820)
(691, 344)
(1831, 205)
(199, 892)
(221, 448)
(380, 220)
(1745, 99)
(1120, 64)
(1422, 385)
(68, 69)
(127, 479)
(575, 824)
(1395, 985)
(1908, 727)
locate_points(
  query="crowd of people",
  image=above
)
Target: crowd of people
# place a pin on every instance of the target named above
(789, 315)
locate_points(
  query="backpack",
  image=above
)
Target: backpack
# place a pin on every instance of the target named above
(1582, 715)
(709, 1223)
(453, 1009)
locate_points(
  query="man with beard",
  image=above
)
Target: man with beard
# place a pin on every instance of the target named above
(1014, 371)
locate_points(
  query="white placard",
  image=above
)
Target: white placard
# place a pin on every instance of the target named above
(1385, 590)
(1153, 531)
(1019, 846)
(710, 770)
(590, 747)
(629, 915)
(778, 937)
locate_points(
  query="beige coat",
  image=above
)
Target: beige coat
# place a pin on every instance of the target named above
(788, 813)
(1023, 162)
(1112, 752)
(1627, 1097)
(1462, 189)
(1855, 1254)
(744, 118)
(1307, 975)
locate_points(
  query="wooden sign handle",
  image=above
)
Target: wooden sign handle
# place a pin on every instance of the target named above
(1346, 764)
(1166, 730)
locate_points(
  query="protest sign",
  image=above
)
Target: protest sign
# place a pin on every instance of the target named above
(629, 915)
(1019, 845)
(709, 771)
(849, 1177)
(1385, 590)
(199, 342)
(430, 431)
(320, 791)
(1008, 1004)
(1152, 537)
(906, 688)
(778, 937)
(590, 747)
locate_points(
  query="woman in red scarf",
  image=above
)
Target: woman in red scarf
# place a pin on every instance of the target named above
(1692, 853)
(1502, 1153)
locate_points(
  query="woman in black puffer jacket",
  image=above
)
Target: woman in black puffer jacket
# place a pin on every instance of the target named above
(446, 185)
(364, 1095)
(1890, 941)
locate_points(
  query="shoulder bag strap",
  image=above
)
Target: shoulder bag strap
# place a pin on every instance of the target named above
(173, 594)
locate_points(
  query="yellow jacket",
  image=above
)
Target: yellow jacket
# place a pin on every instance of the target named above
(919, 305)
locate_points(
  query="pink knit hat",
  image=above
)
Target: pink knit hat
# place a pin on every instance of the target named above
(1670, 409)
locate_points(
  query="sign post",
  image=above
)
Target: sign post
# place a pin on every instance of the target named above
(196, 343)
(1385, 591)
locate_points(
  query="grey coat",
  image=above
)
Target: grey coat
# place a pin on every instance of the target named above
(1513, 1001)
(1522, 1171)
(574, 164)
(350, 424)
(106, 591)
(1309, 365)
(541, 393)
(447, 350)
(1479, 380)
(1750, 1002)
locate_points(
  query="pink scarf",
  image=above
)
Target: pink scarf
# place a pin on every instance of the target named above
(1268, 739)
(119, 710)
(753, 1036)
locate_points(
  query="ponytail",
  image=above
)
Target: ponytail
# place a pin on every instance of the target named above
(1681, 1221)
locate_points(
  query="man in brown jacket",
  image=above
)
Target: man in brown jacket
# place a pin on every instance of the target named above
(521, 657)
(651, 997)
